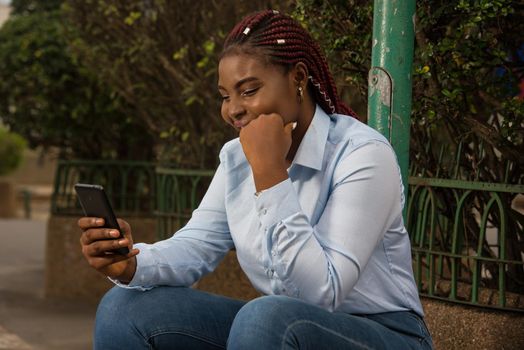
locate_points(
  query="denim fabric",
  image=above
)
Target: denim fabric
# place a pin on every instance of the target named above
(183, 318)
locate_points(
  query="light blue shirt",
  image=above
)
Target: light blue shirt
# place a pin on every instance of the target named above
(332, 234)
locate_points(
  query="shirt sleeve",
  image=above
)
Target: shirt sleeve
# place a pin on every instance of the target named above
(322, 263)
(193, 251)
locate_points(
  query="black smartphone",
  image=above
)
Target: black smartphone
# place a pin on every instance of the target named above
(95, 203)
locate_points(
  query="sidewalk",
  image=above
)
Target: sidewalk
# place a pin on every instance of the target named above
(27, 319)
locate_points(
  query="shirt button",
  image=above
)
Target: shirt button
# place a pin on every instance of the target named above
(264, 211)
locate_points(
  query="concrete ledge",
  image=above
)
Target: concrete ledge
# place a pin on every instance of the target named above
(67, 273)
(69, 276)
(452, 326)
(228, 279)
(7, 199)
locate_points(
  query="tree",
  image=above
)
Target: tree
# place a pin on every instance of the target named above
(459, 47)
(19, 7)
(52, 100)
(161, 57)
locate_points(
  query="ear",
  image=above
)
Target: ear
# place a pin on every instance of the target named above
(300, 74)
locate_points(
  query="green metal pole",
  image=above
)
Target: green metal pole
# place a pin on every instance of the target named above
(389, 93)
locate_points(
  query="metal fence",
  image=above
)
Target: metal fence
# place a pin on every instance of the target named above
(130, 186)
(179, 193)
(462, 252)
(467, 236)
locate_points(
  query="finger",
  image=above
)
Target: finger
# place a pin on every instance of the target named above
(87, 222)
(100, 248)
(126, 230)
(99, 262)
(96, 234)
(288, 129)
(277, 118)
(124, 226)
(269, 117)
(242, 133)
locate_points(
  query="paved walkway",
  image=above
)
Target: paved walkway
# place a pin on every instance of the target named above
(12, 341)
(27, 319)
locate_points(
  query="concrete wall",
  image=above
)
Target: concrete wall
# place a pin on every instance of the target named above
(7, 199)
(452, 326)
(68, 274)
(4, 13)
(36, 169)
(34, 176)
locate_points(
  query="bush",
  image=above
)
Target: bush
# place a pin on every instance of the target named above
(465, 77)
(12, 147)
(52, 100)
(161, 58)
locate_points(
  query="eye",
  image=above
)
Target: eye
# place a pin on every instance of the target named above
(224, 97)
(249, 92)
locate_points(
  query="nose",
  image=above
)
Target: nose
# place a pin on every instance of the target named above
(235, 110)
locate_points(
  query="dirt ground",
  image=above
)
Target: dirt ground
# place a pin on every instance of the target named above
(455, 326)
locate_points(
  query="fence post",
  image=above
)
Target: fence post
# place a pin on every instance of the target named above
(389, 84)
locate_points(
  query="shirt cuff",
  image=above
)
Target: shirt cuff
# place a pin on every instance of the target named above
(139, 281)
(277, 203)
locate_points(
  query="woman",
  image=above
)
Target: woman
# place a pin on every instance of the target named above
(310, 198)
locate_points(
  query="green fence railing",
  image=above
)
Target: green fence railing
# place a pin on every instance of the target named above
(462, 252)
(134, 189)
(467, 235)
(464, 248)
(179, 193)
(130, 186)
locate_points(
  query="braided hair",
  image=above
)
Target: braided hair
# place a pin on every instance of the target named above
(283, 41)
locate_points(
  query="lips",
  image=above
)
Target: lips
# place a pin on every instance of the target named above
(240, 123)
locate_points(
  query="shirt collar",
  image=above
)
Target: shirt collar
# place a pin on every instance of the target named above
(310, 153)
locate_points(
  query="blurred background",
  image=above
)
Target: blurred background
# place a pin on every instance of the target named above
(123, 93)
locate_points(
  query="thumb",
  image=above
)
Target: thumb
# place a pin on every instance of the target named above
(288, 129)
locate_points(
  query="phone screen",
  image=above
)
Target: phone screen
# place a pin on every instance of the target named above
(95, 203)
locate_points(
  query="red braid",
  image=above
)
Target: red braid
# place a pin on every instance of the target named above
(287, 43)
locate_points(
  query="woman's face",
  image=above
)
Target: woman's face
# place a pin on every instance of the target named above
(249, 87)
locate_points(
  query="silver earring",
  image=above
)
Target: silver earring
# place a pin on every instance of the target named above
(300, 93)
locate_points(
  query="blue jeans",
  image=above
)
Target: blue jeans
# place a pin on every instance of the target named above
(184, 318)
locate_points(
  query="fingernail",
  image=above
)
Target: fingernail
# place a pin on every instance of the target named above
(99, 221)
(114, 233)
(122, 241)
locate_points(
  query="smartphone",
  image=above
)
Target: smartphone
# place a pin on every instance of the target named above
(95, 203)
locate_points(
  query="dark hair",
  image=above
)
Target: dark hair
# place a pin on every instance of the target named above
(283, 41)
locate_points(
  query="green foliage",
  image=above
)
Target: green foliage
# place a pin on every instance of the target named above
(457, 93)
(343, 30)
(161, 57)
(20, 7)
(12, 147)
(51, 100)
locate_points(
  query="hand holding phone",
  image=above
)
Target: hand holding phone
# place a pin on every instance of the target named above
(95, 203)
(105, 240)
